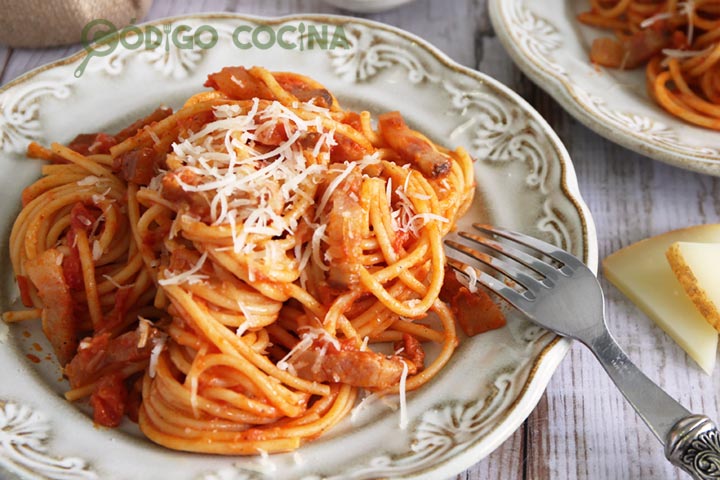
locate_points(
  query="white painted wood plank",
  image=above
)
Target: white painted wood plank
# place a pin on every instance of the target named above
(23, 60)
(5, 53)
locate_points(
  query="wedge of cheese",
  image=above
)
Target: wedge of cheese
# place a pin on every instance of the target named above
(642, 272)
(697, 268)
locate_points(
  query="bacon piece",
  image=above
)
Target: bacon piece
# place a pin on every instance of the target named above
(412, 350)
(102, 355)
(83, 217)
(304, 89)
(352, 367)
(412, 148)
(58, 322)
(237, 83)
(344, 231)
(194, 123)
(109, 400)
(631, 53)
(138, 165)
(196, 203)
(92, 143)
(319, 96)
(130, 131)
(475, 312)
(24, 287)
(346, 150)
(353, 119)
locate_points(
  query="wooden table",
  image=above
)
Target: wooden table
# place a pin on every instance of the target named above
(582, 427)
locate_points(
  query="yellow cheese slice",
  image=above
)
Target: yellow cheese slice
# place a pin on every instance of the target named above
(697, 268)
(643, 274)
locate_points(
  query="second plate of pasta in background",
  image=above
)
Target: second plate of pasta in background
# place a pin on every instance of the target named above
(551, 46)
(525, 181)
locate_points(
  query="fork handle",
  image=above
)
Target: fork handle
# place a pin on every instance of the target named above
(692, 442)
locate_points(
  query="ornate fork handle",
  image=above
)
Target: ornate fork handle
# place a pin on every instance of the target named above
(692, 442)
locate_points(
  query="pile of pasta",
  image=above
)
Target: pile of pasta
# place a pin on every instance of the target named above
(233, 274)
(679, 42)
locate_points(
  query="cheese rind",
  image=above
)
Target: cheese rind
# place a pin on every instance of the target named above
(642, 273)
(696, 267)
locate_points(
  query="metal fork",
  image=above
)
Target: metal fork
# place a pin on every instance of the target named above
(557, 291)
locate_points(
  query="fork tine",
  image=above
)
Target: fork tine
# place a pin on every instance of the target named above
(545, 269)
(502, 266)
(545, 248)
(510, 295)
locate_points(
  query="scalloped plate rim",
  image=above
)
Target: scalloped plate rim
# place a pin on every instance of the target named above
(551, 356)
(559, 89)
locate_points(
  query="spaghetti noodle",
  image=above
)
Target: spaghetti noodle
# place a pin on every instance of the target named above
(227, 274)
(678, 41)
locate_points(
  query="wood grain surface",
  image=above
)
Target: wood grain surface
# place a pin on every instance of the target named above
(582, 428)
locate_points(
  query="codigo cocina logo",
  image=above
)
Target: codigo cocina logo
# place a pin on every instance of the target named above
(101, 38)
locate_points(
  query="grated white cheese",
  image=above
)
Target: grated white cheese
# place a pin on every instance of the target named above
(309, 335)
(403, 401)
(250, 190)
(97, 250)
(318, 236)
(100, 197)
(190, 276)
(686, 8)
(244, 326)
(116, 284)
(153, 135)
(349, 167)
(89, 180)
(143, 331)
(473, 279)
(674, 53)
(159, 345)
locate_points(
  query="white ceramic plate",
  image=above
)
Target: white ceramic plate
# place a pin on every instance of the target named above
(552, 48)
(525, 181)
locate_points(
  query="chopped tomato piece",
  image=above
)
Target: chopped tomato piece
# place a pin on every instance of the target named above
(108, 401)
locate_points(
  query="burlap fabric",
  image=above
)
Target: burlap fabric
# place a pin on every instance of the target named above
(43, 23)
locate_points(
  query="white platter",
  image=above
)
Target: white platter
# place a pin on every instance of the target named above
(525, 181)
(552, 48)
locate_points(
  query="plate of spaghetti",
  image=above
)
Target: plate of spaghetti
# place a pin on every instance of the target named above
(643, 74)
(237, 270)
